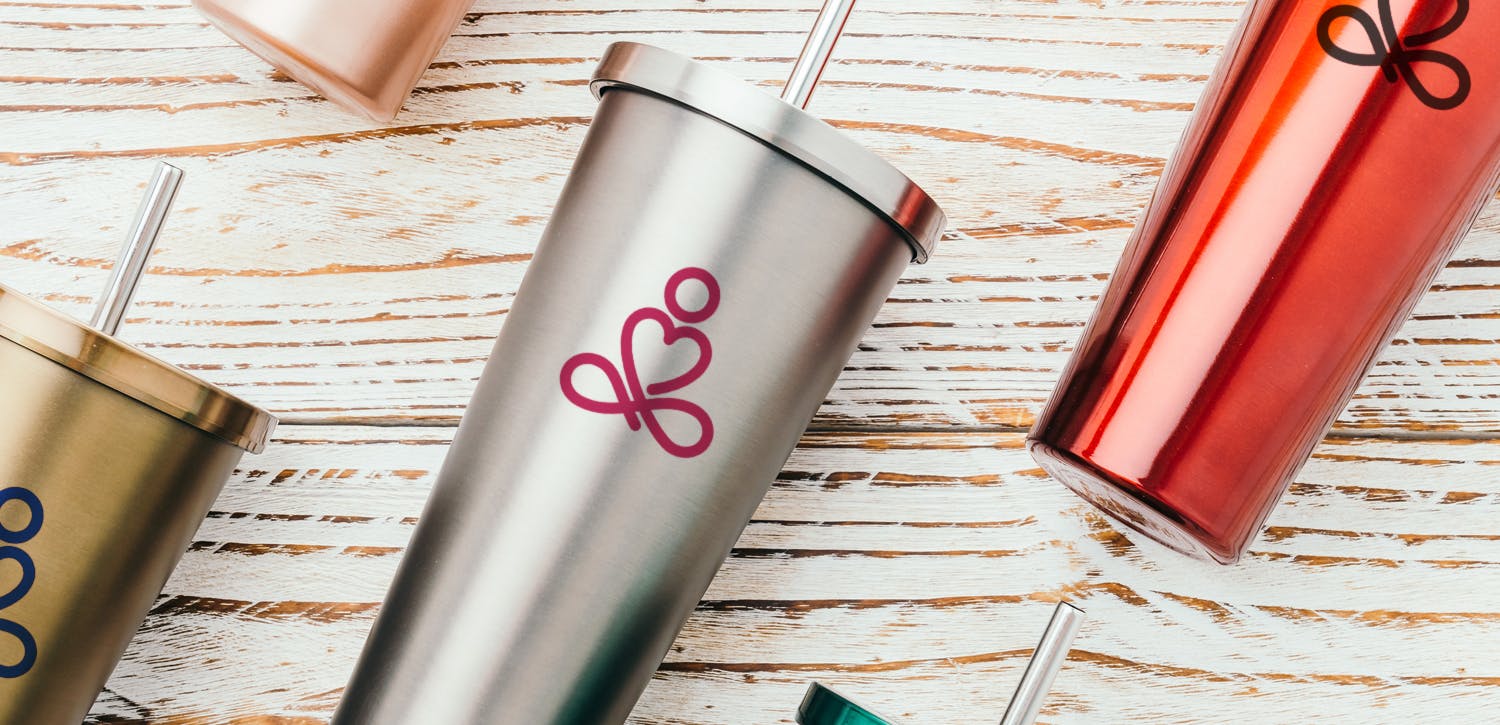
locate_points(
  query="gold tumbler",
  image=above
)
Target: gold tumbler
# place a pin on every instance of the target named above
(109, 460)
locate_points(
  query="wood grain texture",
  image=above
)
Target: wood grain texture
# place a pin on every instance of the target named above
(352, 277)
(337, 271)
(911, 569)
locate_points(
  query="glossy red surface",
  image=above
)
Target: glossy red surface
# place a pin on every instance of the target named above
(1318, 189)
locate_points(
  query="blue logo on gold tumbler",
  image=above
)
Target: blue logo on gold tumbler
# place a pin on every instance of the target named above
(12, 552)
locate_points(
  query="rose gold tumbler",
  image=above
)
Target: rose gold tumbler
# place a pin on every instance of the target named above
(365, 55)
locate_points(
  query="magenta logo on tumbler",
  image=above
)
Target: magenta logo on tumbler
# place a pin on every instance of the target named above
(641, 402)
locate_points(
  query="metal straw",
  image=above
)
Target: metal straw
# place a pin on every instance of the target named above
(815, 53)
(1050, 653)
(132, 262)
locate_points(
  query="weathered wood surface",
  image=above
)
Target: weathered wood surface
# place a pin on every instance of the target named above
(351, 278)
(913, 570)
(337, 271)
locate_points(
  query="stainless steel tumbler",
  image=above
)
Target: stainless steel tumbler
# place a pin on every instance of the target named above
(714, 259)
(109, 460)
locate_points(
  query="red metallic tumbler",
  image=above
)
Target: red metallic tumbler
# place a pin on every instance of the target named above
(1339, 153)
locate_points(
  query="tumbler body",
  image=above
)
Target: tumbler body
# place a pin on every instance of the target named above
(365, 55)
(1317, 191)
(562, 548)
(100, 494)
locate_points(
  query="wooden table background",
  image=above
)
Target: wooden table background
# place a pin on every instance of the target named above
(351, 278)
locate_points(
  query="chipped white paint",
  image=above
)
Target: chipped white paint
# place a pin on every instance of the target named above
(352, 278)
(1040, 126)
(913, 570)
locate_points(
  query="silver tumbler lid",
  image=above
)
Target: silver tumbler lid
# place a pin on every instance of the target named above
(794, 132)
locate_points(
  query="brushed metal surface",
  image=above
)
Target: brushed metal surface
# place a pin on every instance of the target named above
(802, 136)
(122, 487)
(561, 549)
(113, 363)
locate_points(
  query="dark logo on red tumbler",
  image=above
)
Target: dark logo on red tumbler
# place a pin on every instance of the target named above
(1394, 55)
(641, 403)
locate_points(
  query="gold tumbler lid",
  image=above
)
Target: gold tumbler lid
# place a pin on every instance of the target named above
(114, 364)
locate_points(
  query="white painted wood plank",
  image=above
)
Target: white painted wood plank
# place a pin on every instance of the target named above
(333, 270)
(337, 271)
(912, 569)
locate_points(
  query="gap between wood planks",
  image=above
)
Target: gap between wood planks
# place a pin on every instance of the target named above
(1395, 434)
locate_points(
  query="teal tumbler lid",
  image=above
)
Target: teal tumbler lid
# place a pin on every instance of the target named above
(822, 706)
